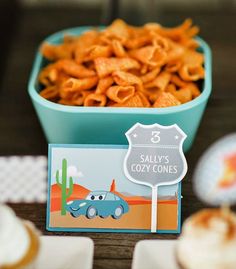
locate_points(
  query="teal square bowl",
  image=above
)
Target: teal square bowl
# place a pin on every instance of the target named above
(105, 125)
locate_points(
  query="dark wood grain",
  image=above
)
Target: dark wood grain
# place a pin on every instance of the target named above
(21, 133)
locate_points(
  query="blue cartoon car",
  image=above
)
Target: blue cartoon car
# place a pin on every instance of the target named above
(98, 203)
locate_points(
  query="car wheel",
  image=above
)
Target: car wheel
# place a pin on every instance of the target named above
(103, 217)
(74, 215)
(118, 212)
(91, 212)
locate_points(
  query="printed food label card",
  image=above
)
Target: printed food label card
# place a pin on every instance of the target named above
(89, 190)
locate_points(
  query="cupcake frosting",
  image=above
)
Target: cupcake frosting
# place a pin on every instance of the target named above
(208, 240)
(14, 238)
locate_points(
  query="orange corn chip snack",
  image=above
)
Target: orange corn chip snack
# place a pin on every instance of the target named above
(78, 98)
(74, 85)
(137, 42)
(150, 75)
(173, 66)
(160, 82)
(183, 95)
(96, 51)
(134, 101)
(50, 93)
(48, 75)
(124, 66)
(95, 99)
(150, 55)
(104, 84)
(192, 57)
(191, 72)
(55, 52)
(71, 68)
(166, 99)
(154, 95)
(126, 79)
(106, 66)
(118, 48)
(144, 69)
(194, 89)
(117, 30)
(144, 99)
(178, 81)
(120, 94)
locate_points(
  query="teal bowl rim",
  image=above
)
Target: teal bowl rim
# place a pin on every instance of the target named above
(203, 97)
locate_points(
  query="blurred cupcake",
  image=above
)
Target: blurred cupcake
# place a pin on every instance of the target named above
(19, 241)
(208, 240)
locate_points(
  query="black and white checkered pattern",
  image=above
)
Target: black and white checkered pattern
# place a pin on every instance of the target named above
(23, 179)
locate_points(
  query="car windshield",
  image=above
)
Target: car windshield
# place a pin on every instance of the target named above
(93, 196)
(110, 196)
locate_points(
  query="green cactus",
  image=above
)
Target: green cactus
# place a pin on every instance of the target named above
(63, 185)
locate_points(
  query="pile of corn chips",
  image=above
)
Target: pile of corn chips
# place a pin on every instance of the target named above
(124, 66)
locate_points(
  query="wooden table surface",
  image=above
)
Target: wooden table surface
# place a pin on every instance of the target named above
(20, 131)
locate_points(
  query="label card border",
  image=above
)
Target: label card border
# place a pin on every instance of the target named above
(101, 230)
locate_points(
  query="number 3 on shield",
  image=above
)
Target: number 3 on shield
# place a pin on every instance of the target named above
(155, 140)
(155, 137)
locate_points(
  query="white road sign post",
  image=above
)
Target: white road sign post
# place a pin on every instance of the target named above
(155, 158)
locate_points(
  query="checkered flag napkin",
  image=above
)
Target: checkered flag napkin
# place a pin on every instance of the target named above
(23, 179)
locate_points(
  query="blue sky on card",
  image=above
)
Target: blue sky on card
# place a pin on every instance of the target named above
(94, 168)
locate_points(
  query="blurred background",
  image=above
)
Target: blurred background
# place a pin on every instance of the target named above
(133, 11)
